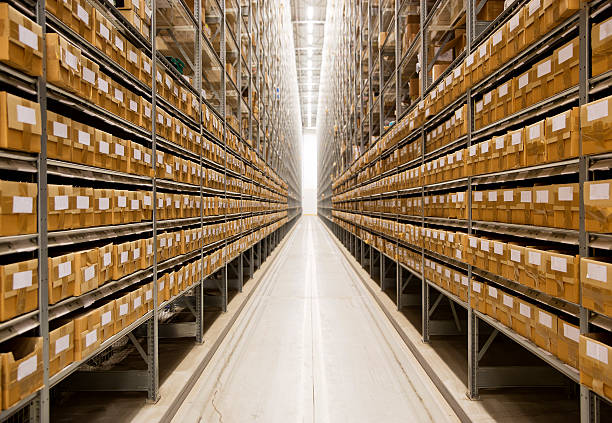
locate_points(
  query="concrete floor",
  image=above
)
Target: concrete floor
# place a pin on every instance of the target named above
(312, 345)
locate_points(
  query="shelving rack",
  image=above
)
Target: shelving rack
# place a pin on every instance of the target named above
(385, 75)
(236, 56)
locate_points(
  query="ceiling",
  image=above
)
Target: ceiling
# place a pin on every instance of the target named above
(308, 18)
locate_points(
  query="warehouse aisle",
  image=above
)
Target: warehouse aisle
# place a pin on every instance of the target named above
(312, 346)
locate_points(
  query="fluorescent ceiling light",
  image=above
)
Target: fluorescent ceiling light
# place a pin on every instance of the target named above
(310, 12)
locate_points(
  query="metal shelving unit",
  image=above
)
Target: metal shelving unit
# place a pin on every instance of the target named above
(356, 116)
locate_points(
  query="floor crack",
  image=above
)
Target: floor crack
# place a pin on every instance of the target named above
(215, 406)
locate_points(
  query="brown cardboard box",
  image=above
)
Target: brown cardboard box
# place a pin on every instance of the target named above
(145, 70)
(516, 35)
(491, 10)
(20, 125)
(104, 208)
(503, 101)
(83, 19)
(478, 296)
(596, 292)
(493, 300)
(62, 277)
(505, 308)
(596, 126)
(163, 294)
(83, 145)
(598, 206)
(601, 47)
(89, 76)
(146, 248)
(133, 17)
(562, 136)
(86, 334)
(137, 309)
(122, 263)
(566, 61)
(533, 31)
(514, 152)
(523, 207)
(20, 41)
(562, 276)
(87, 267)
(60, 209)
(514, 266)
(122, 312)
(120, 154)
(18, 288)
(145, 116)
(132, 107)
(22, 369)
(542, 80)
(147, 291)
(119, 48)
(106, 264)
(103, 145)
(103, 35)
(107, 320)
(61, 347)
(534, 275)
(133, 60)
(17, 208)
(117, 104)
(59, 141)
(104, 92)
(62, 9)
(121, 207)
(498, 41)
(545, 331)
(523, 318)
(567, 342)
(566, 206)
(521, 91)
(595, 367)
(542, 206)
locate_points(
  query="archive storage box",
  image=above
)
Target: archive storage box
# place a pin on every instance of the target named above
(89, 78)
(147, 291)
(117, 105)
(87, 267)
(566, 61)
(122, 312)
(595, 365)
(505, 309)
(595, 276)
(107, 320)
(20, 41)
(103, 145)
(61, 347)
(598, 206)
(562, 136)
(17, 208)
(59, 210)
(18, 288)
(103, 34)
(562, 276)
(63, 63)
(566, 206)
(542, 80)
(20, 125)
(86, 334)
(22, 369)
(567, 342)
(523, 316)
(492, 299)
(62, 9)
(103, 212)
(596, 125)
(535, 147)
(83, 199)
(59, 141)
(545, 332)
(62, 277)
(83, 19)
(83, 145)
(136, 305)
(478, 296)
(601, 47)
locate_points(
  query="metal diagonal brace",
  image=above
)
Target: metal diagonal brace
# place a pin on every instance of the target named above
(435, 305)
(139, 348)
(487, 344)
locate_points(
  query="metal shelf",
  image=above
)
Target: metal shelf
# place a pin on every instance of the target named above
(79, 171)
(97, 233)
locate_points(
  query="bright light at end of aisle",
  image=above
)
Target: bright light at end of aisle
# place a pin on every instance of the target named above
(309, 173)
(310, 12)
(310, 51)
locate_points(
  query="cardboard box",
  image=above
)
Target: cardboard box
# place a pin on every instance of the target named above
(601, 47)
(122, 312)
(104, 93)
(514, 266)
(20, 41)
(62, 277)
(59, 141)
(503, 101)
(596, 126)
(83, 200)
(18, 288)
(62, 9)
(136, 305)
(61, 347)
(596, 291)
(545, 331)
(119, 48)
(87, 267)
(533, 31)
(562, 136)
(117, 104)
(132, 107)
(566, 64)
(83, 145)
(59, 212)
(123, 260)
(119, 155)
(492, 299)
(103, 145)
(566, 206)
(595, 367)
(522, 209)
(20, 124)
(89, 75)
(562, 276)
(543, 200)
(505, 308)
(106, 264)
(598, 206)
(514, 152)
(22, 369)
(145, 70)
(567, 342)
(148, 297)
(83, 19)
(146, 205)
(103, 33)
(87, 334)
(163, 293)
(516, 35)
(104, 208)
(146, 248)
(523, 318)
(542, 80)
(107, 320)
(522, 90)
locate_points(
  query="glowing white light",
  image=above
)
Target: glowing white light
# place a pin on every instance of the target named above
(310, 12)
(310, 27)
(310, 51)
(309, 64)
(310, 39)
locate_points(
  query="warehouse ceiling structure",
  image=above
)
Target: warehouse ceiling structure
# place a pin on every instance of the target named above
(308, 18)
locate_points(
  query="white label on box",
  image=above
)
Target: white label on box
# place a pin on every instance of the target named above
(137, 154)
(484, 245)
(525, 196)
(458, 254)
(559, 122)
(64, 269)
(508, 300)
(104, 147)
(91, 337)
(62, 344)
(534, 258)
(136, 253)
(134, 204)
(473, 242)
(476, 287)
(558, 263)
(90, 272)
(123, 258)
(137, 302)
(89, 75)
(482, 51)
(460, 196)
(147, 67)
(525, 310)
(106, 318)
(82, 14)
(119, 43)
(597, 351)
(464, 280)
(22, 279)
(162, 242)
(534, 5)
(147, 158)
(28, 37)
(487, 97)
(523, 80)
(571, 332)
(103, 85)
(515, 255)
(534, 132)
(26, 115)
(146, 200)
(147, 111)
(514, 21)
(123, 309)
(484, 147)
(597, 272)
(119, 150)
(149, 249)
(597, 110)
(502, 90)
(457, 73)
(498, 248)
(542, 196)
(544, 68)
(497, 37)
(566, 193)
(499, 143)
(122, 201)
(545, 319)
(599, 191)
(479, 106)
(469, 60)
(61, 202)
(107, 259)
(132, 56)
(605, 30)
(119, 95)
(103, 203)
(60, 130)
(133, 106)
(84, 138)
(27, 367)
(566, 53)
(517, 137)
(148, 295)
(104, 31)
(472, 150)
(492, 292)
(478, 196)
